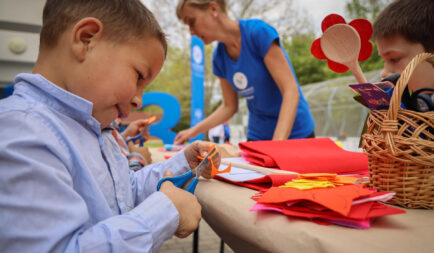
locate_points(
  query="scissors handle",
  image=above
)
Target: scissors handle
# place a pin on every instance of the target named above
(192, 186)
(178, 181)
(135, 138)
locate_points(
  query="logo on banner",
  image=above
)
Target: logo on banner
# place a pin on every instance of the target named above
(197, 54)
(240, 80)
(198, 114)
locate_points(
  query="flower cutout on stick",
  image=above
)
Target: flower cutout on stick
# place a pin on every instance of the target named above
(364, 30)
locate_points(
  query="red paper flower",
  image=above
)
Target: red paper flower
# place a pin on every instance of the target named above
(363, 28)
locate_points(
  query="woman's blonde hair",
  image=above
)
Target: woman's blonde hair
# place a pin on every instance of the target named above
(200, 4)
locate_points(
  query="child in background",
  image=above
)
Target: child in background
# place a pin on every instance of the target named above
(65, 185)
(217, 134)
(138, 157)
(227, 132)
(402, 30)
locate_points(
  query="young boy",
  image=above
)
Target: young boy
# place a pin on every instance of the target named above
(403, 30)
(64, 184)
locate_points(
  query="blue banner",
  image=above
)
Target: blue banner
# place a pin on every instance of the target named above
(197, 81)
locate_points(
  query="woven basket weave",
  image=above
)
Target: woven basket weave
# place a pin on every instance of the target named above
(400, 148)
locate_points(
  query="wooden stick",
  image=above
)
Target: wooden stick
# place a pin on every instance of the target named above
(259, 169)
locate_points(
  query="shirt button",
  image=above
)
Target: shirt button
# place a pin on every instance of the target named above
(90, 122)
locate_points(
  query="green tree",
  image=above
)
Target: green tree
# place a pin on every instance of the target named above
(367, 9)
(307, 68)
(175, 79)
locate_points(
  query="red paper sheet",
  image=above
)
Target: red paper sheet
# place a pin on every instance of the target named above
(256, 186)
(337, 199)
(262, 183)
(312, 155)
(362, 211)
(358, 217)
(305, 213)
(258, 158)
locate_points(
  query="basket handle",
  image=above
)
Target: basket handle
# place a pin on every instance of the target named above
(390, 125)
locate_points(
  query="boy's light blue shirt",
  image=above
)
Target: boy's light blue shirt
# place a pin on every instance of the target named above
(65, 186)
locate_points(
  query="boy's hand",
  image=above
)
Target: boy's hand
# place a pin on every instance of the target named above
(144, 151)
(201, 148)
(187, 205)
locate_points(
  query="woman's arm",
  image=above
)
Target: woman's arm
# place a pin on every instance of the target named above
(224, 112)
(284, 77)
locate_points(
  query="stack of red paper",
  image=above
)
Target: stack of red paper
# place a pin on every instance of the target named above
(263, 183)
(313, 155)
(345, 203)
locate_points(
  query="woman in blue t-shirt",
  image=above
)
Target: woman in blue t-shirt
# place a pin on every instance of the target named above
(250, 61)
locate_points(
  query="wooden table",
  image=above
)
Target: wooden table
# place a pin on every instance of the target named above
(225, 207)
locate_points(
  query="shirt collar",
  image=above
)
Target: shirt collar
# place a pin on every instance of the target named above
(55, 97)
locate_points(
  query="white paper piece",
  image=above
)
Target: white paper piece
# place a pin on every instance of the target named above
(239, 159)
(238, 174)
(242, 160)
(382, 198)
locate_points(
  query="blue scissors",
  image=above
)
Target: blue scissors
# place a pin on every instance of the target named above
(135, 138)
(145, 130)
(179, 181)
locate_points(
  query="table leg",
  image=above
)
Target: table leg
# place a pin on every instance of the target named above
(222, 246)
(196, 241)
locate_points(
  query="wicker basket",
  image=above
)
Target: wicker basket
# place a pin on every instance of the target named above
(400, 148)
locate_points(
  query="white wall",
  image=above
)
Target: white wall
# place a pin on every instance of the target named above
(22, 11)
(20, 21)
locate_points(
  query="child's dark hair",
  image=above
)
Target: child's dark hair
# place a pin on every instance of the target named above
(122, 19)
(412, 19)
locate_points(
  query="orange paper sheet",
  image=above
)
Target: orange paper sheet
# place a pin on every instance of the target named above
(337, 199)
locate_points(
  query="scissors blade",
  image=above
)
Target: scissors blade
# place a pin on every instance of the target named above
(203, 163)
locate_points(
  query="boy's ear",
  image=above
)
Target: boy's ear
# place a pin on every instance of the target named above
(85, 34)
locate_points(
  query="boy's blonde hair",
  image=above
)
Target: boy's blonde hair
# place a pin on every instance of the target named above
(122, 19)
(200, 4)
(412, 19)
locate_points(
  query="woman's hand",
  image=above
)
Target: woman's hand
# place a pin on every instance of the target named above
(184, 135)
